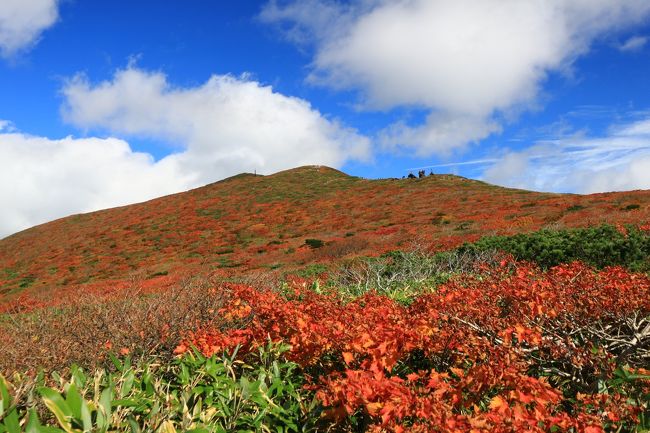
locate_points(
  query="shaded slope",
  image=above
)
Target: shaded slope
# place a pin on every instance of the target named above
(256, 223)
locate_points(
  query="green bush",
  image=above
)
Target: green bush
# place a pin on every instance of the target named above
(314, 243)
(598, 246)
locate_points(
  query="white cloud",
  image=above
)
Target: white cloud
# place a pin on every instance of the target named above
(224, 127)
(619, 161)
(442, 133)
(310, 19)
(464, 59)
(6, 126)
(23, 21)
(45, 179)
(511, 170)
(635, 43)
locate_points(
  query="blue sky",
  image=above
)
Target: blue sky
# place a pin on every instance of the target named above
(108, 103)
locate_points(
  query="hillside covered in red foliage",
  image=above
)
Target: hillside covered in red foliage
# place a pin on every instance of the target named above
(257, 224)
(310, 300)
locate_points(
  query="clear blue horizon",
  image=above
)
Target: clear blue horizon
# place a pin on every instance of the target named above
(108, 103)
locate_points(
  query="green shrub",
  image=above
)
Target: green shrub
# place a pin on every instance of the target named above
(598, 246)
(314, 243)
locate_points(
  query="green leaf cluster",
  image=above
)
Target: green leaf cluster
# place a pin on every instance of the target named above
(193, 394)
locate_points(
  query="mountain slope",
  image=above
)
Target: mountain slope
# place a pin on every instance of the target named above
(251, 223)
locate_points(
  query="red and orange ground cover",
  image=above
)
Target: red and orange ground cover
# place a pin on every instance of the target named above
(513, 348)
(500, 348)
(256, 224)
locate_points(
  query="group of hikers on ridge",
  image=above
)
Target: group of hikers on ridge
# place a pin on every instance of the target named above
(421, 174)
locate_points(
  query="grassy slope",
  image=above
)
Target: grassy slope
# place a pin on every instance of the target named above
(256, 223)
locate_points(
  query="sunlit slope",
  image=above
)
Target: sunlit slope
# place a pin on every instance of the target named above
(257, 223)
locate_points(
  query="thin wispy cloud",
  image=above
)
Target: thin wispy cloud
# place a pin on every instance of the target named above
(619, 160)
(635, 43)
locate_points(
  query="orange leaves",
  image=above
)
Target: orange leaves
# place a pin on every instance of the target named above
(181, 349)
(523, 334)
(211, 342)
(456, 360)
(235, 311)
(498, 404)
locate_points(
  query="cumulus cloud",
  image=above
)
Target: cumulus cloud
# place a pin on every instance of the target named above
(465, 59)
(23, 21)
(618, 161)
(45, 179)
(226, 126)
(223, 127)
(635, 43)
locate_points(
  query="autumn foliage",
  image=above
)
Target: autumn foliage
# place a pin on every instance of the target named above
(252, 224)
(513, 349)
(312, 266)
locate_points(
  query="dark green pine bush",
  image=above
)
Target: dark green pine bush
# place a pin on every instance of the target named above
(598, 246)
(314, 243)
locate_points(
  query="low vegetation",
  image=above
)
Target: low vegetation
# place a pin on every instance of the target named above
(247, 223)
(405, 275)
(84, 332)
(605, 245)
(191, 394)
(468, 340)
